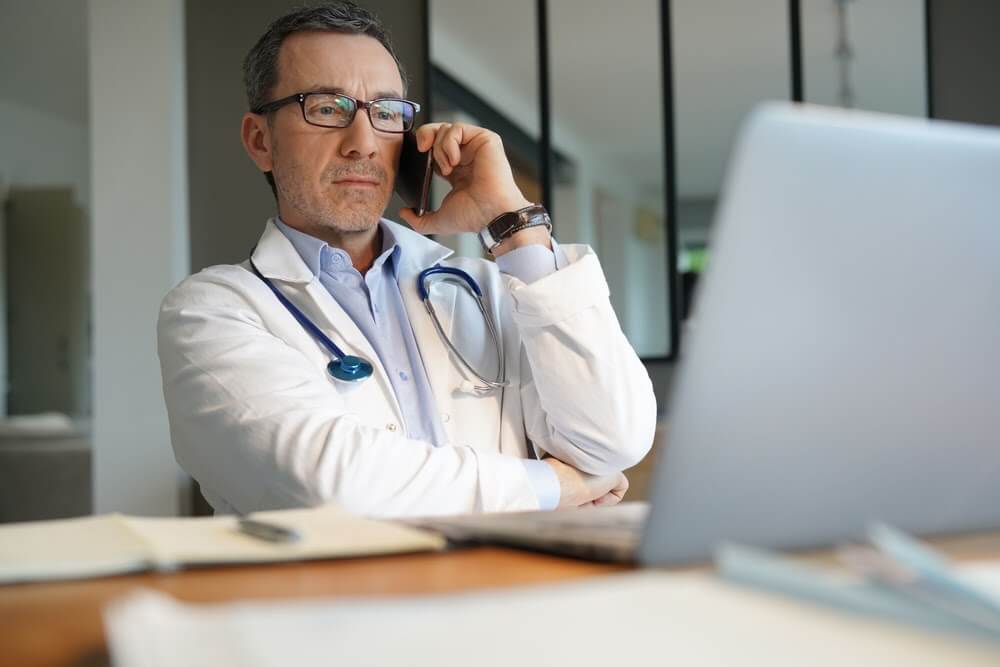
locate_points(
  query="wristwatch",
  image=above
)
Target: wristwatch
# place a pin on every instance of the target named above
(506, 225)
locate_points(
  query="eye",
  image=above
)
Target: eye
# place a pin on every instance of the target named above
(327, 106)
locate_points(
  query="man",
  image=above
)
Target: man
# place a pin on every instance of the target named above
(257, 413)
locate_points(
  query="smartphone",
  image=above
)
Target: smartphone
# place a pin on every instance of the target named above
(413, 178)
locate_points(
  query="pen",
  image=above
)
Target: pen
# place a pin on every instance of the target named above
(269, 532)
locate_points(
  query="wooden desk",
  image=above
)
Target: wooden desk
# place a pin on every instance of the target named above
(61, 624)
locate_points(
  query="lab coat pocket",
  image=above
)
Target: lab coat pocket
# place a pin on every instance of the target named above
(473, 340)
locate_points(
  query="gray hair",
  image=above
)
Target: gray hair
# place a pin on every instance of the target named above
(260, 68)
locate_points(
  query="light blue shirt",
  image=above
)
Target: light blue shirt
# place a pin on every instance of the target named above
(373, 301)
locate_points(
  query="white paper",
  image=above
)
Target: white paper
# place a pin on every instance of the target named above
(648, 617)
(90, 546)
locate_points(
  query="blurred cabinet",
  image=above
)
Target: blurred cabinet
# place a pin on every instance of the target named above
(45, 257)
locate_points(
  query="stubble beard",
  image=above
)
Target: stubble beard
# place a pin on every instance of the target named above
(350, 212)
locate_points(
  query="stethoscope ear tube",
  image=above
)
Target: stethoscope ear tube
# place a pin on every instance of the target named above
(446, 271)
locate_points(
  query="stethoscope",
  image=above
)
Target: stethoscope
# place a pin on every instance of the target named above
(352, 368)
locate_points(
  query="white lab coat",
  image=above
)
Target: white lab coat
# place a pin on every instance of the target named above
(259, 423)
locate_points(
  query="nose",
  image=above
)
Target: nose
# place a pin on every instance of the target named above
(358, 139)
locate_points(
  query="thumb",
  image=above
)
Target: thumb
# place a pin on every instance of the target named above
(428, 223)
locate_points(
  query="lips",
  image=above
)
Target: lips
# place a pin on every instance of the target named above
(356, 180)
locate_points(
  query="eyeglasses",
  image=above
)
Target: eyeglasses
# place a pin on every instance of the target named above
(387, 114)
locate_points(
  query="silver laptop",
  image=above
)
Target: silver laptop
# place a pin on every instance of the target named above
(844, 359)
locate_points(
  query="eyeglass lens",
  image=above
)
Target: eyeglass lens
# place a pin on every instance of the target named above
(329, 110)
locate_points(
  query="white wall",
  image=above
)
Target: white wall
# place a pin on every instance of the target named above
(38, 148)
(139, 242)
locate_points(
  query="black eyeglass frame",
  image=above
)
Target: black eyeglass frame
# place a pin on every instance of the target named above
(358, 104)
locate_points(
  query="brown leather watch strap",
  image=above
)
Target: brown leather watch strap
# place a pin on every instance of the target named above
(506, 225)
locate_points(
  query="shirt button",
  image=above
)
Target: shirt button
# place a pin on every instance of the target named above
(446, 417)
(391, 427)
(403, 376)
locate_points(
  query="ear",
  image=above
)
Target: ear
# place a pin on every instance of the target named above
(256, 136)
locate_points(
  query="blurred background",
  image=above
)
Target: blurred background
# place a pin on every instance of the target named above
(121, 172)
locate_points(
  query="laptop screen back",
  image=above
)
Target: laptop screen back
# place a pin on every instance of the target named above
(844, 363)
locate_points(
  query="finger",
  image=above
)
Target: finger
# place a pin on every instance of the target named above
(452, 144)
(448, 147)
(607, 500)
(426, 135)
(440, 156)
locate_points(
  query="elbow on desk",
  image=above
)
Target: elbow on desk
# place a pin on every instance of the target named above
(621, 441)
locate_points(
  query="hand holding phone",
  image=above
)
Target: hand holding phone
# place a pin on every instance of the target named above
(473, 161)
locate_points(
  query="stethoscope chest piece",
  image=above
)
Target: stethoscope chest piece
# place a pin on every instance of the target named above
(349, 368)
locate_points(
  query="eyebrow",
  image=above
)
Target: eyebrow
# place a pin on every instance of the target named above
(337, 89)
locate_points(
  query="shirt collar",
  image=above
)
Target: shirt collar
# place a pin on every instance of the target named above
(319, 255)
(276, 258)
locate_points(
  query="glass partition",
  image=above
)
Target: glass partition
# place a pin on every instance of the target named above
(606, 72)
(484, 71)
(606, 113)
(865, 54)
(728, 56)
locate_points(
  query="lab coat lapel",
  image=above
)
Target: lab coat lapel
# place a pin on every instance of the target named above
(277, 259)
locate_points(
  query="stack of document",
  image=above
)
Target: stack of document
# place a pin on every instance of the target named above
(114, 543)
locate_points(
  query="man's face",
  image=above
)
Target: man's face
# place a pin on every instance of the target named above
(334, 178)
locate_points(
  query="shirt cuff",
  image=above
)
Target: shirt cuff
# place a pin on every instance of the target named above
(544, 483)
(530, 262)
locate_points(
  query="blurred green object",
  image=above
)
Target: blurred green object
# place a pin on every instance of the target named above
(693, 260)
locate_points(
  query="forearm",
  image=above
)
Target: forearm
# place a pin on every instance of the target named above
(306, 455)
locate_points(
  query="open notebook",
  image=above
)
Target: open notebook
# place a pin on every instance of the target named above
(115, 543)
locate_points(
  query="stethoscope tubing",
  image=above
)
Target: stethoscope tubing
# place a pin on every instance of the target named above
(500, 381)
(340, 358)
(303, 320)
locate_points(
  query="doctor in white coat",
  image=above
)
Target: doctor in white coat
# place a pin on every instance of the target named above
(255, 416)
